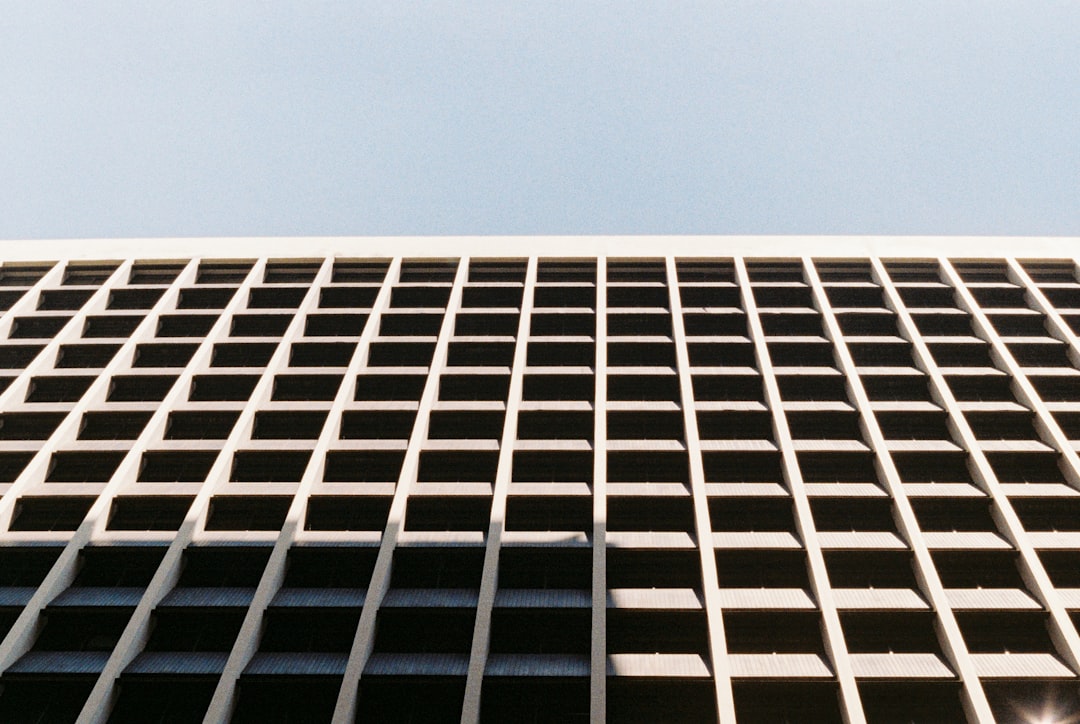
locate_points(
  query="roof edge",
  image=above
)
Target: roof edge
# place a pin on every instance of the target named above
(542, 245)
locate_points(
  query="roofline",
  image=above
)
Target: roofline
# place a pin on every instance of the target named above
(543, 245)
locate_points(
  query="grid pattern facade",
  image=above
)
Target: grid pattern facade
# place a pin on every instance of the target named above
(417, 490)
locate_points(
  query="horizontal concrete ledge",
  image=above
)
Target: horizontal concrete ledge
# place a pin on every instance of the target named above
(566, 246)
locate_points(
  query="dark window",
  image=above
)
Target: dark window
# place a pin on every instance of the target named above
(29, 425)
(158, 512)
(259, 325)
(185, 325)
(113, 425)
(50, 512)
(163, 355)
(181, 466)
(111, 326)
(258, 466)
(205, 388)
(331, 512)
(242, 355)
(200, 425)
(83, 467)
(238, 512)
(217, 298)
(37, 327)
(140, 388)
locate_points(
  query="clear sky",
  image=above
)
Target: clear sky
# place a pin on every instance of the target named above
(582, 117)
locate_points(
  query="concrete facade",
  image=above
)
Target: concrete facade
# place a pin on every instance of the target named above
(547, 479)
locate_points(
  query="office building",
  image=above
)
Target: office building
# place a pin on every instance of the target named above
(541, 481)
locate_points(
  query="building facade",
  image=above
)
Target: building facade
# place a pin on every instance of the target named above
(519, 486)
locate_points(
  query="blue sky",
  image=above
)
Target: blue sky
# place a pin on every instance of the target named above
(357, 118)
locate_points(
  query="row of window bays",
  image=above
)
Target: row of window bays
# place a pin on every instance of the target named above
(436, 270)
(542, 604)
(767, 519)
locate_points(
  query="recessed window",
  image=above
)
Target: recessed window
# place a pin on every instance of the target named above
(269, 466)
(545, 568)
(419, 297)
(459, 512)
(330, 567)
(508, 297)
(140, 388)
(256, 354)
(329, 512)
(206, 388)
(17, 356)
(181, 629)
(743, 467)
(37, 327)
(80, 273)
(559, 387)
(27, 566)
(561, 354)
(334, 325)
(562, 325)
(549, 512)
(21, 274)
(347, 297)
(647, 467)
(83, 467)
(118, 566)
(29, 425)
(306, 387)
(288, 425)
(291, 272)
(462, 425)
(85, 355)
(185, 325)
(44, 513)
(480, 354)
(174, 467)
(134, 298)
(113, 425)
(715, 325)
(377, 466)
(647, 568)
(583, 297)
(223, 566)
(451, 466)
(163, 355)
(111, 326)
(390, 387)
(276, 297)
(761, 568)
(150, 272)
(12, 464)
(630, 388)
(497, 270)
(474, 387)
(217, 298)
(334, 354)
(376, 425)
(259, 325)
(239, 512)
(752, 514)
(648, 513)
(485, 325)
(57, 300)
(401, 354)
(551, 466)
(159, 512)
(221, 272)
(200, 425)
(555, 425)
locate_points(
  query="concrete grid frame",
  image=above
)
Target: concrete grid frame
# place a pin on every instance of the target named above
(478, 480)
